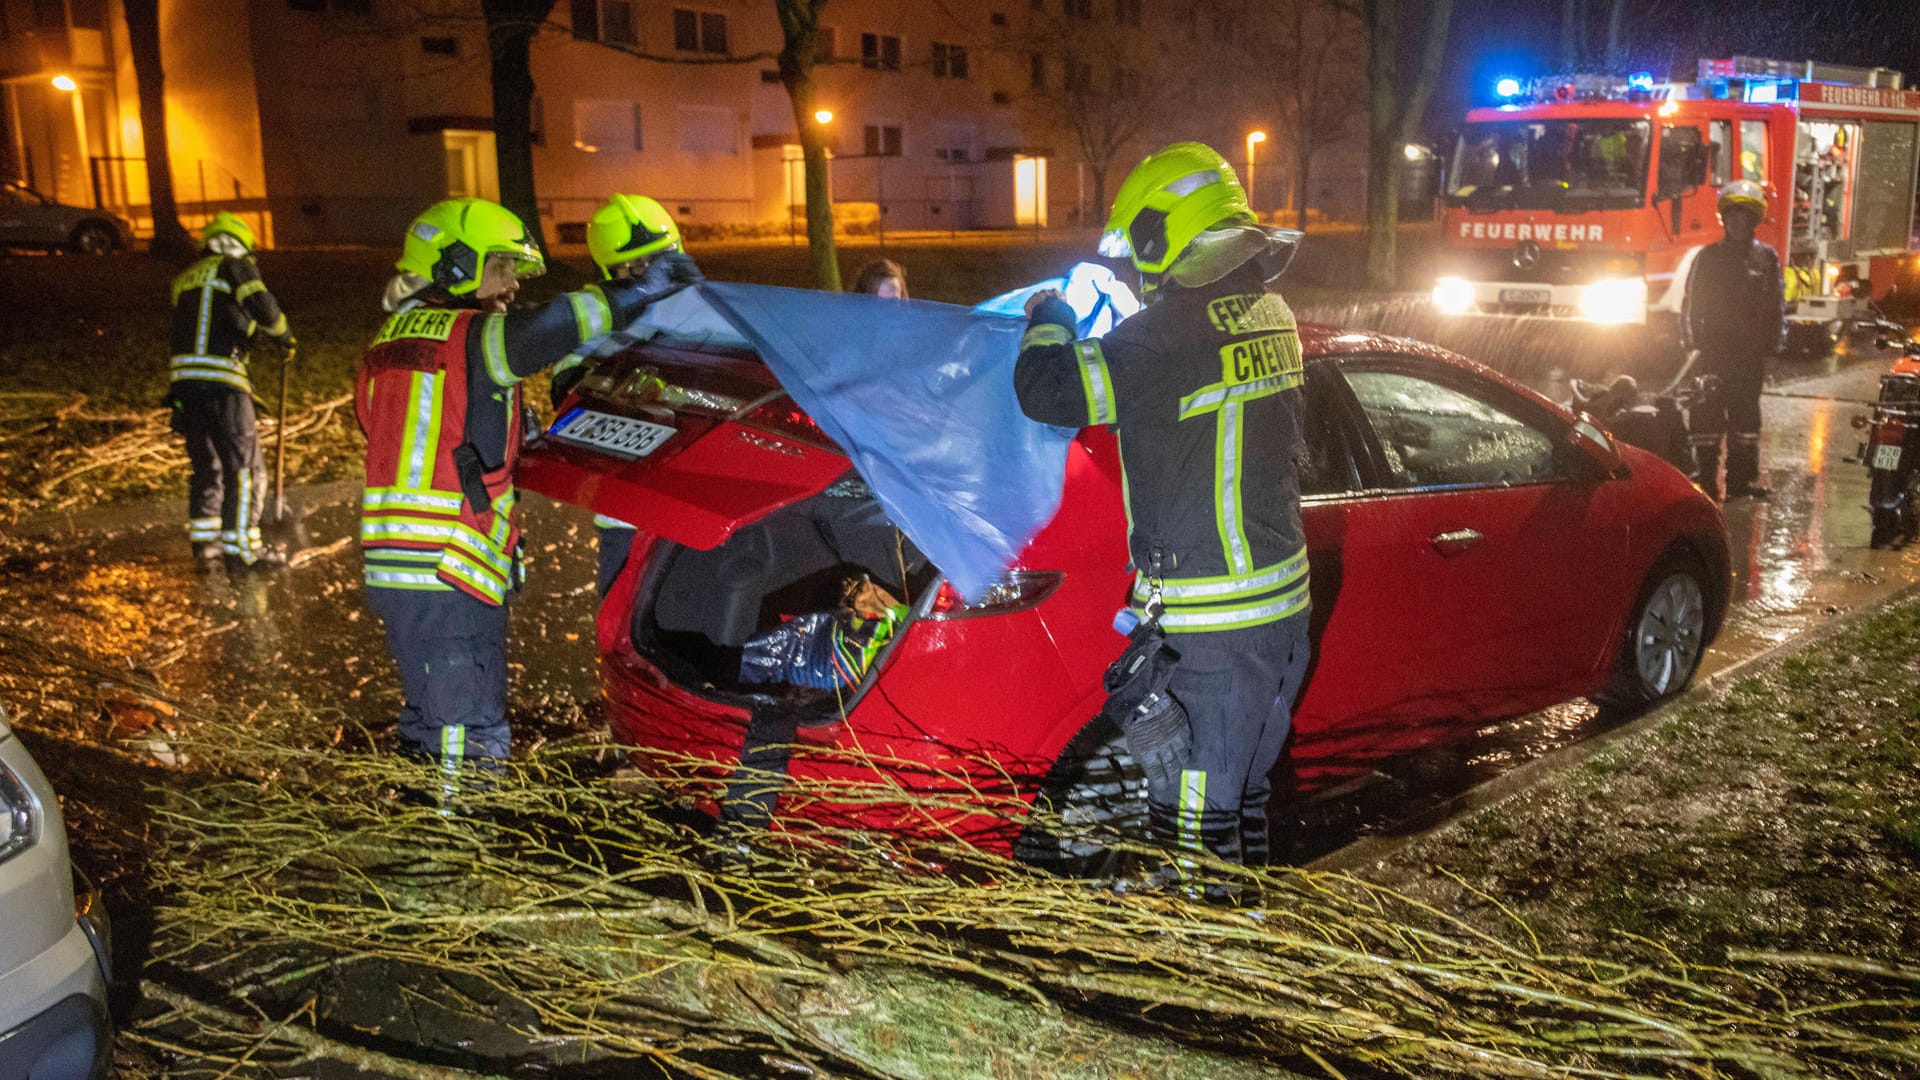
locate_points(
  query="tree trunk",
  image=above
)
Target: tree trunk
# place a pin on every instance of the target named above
(1303, 175)
(511, 25)
(1392, 119)
(1100, 206)
(800, 27)
(170, 239)
(1616, 37)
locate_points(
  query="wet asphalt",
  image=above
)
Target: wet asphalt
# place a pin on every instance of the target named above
(119, 581)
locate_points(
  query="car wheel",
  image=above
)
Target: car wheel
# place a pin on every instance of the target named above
(1096, 793)
(92, 239)
(1665, 636)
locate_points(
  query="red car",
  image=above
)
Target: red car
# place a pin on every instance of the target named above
(1477, 553)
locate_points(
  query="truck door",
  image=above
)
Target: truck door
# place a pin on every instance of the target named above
(1682, 193)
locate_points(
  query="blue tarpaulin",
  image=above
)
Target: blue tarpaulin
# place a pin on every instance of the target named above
(920, 396)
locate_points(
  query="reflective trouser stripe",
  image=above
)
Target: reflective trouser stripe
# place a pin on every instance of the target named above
(203, 530)
(1191, 810)
(1227, 587)
(604, 522)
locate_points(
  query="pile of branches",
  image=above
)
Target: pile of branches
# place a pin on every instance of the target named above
(58, 451)
(554, 893)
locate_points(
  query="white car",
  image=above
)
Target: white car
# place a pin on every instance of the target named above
(53, 938)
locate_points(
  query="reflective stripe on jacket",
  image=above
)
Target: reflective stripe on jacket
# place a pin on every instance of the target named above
(418, 528)
(1203, 388)
(218, 304)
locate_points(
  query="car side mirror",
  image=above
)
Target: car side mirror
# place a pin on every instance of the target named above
(1591, 452)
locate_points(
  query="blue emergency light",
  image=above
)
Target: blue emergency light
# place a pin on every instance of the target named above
(1640, 80)
(1507, 87)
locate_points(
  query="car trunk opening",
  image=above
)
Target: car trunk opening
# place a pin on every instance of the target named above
(699, 612)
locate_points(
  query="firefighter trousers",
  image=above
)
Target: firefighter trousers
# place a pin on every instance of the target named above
(452, 652)
(1731, 410)
(1238, 687)
(228, 482)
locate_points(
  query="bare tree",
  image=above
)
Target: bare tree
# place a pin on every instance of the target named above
(800, 34)
(170, 239)
(1090, 87)
(511, 26)
(1319, 88)
(1576, 27)
(1395, 114)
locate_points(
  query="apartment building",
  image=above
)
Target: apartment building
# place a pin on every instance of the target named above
(333, 121)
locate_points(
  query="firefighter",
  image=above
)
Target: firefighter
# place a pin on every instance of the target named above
(1736, 318)
(1203, 386)
(438, 398)
(219, 303)
(624, 237)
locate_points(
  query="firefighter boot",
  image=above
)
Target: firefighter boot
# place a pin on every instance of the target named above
(1743, 467)
(1706, 462)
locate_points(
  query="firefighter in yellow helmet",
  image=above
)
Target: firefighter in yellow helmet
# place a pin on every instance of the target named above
(624, 237)
(219, 304)
(1203, 387)
(438, 399)
(1735, 315)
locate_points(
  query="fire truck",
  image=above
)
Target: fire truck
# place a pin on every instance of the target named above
(1588, 197)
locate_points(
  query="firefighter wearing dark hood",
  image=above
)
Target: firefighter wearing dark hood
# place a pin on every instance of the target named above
(439, 400)
(1203, 389)
(219, 304)
(1736, 317)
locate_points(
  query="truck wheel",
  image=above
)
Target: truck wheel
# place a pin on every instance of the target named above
(1096, 793)
(1665, 636)
(92, 238)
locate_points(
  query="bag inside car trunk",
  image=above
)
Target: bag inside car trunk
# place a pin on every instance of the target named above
(698, 610)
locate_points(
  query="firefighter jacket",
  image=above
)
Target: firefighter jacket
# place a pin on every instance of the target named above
(439, 400)
(1203, 387)
(218, 304)
(1736, 302)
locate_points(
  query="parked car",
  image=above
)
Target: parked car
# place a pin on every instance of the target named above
(30, 219)
(1477, 553)
(53, 936)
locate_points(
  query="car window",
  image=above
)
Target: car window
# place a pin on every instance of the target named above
(1326, 464)
(1436, 435)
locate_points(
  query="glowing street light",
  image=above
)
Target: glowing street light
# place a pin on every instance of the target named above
(65, 82)
(823, 117)
(1254, 138)
(1415, 153)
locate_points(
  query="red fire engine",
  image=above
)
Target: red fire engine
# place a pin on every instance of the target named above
(1588, 197)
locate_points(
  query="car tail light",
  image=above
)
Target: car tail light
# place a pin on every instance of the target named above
(1891, 432)
(780, 416)
(1017, 591)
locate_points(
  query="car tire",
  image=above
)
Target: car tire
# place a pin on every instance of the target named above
(1666, 635)
(92, 238)
(1097, 793)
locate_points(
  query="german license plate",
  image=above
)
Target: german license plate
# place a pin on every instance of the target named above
(1886, 456)
(1526, 296)
(622, 435)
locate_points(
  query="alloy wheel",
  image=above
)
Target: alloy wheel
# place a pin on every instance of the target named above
(1668, 639)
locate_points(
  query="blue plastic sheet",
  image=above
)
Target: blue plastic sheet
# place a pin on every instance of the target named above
(920, 396)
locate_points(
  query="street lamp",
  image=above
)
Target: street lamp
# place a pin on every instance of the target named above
(1254, 138)
(823, 117)
(65, 82)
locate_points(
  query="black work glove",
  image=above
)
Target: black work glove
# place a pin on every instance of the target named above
(564, 382)
(1141, 703)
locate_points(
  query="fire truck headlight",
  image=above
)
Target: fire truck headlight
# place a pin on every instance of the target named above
(1452, 296)
(1614, 300)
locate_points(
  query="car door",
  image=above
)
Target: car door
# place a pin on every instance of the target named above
(1479, 571)
(13, 215)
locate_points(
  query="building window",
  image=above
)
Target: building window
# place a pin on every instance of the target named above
(1078, 9)
(952, 154)
(1037, 72)
(1126, 12)
(998, 18)
(586, 20)
(601, 127)
(709, 129)
(882, 140)
(949, 61)
(1079, 76)
(440, 46)
(880, 52)
(825, 45)
(616, 22)
(1126, 82)
(699, 31)
(87, 14)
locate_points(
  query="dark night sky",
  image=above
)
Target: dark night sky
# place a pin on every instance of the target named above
(1492, 38)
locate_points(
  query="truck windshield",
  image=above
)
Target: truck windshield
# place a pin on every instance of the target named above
(1550, 164)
